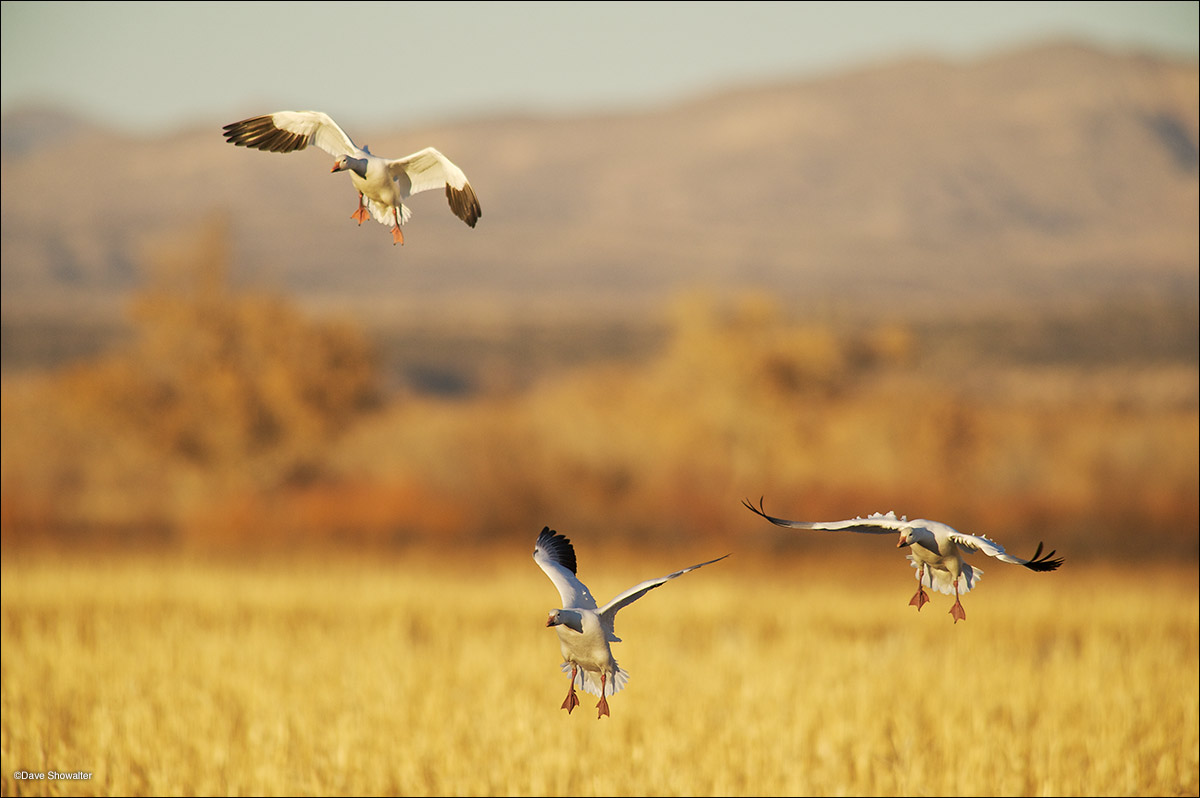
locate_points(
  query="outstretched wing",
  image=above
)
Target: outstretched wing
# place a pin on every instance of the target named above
(429, 169)
(877, 524)
(1039, 562)
(556, 556)
(609, 610)
(289, 131)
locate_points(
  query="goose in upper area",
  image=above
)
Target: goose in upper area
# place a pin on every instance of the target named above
(937, 550)
(585, 631)
(382, 184)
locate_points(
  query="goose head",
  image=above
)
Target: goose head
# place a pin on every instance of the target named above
(568, 618)
(346, 163)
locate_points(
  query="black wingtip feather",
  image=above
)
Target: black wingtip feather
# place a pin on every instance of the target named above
(464, 203)
(260, 133)
(558, 548)
(760, 511)
(1043, 563)
(746, 503)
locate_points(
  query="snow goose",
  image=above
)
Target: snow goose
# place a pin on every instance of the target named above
(937, 550)
(585, 631)
(382, 184)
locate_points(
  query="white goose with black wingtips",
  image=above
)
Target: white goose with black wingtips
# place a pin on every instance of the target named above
(585, 630)
(936, 551)
(383, 184)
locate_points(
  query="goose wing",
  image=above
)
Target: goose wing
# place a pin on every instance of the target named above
(289, 131)
(1038, 562)
(609, 610)
(555, 555)
(877, 524)
(429, 169)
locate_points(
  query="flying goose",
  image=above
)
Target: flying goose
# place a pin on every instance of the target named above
(382, 184)
(585, 631)
(937, 549)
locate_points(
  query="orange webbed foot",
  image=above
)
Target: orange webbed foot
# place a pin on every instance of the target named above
(603, 705)
(919, 599)
(957, 612)
(360, 215)
(397, 236)
(572, 700)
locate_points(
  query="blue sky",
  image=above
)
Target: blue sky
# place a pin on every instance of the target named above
(153, 67)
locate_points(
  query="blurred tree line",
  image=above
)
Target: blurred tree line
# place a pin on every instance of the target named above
(220, 394)
(235, 421)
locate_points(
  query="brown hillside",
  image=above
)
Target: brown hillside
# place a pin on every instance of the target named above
(1044, 173)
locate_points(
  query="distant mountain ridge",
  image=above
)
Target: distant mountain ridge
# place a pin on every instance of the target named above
(1046, 173)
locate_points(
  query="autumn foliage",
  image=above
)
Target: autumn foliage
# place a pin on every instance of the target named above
(233, 420)
(220, 395)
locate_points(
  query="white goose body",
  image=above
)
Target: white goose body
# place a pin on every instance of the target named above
(382, 184)
(936, 550)
(932, 544)
(585, 630)
(583, 640)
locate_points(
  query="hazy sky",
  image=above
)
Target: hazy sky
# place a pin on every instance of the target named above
(156, 66)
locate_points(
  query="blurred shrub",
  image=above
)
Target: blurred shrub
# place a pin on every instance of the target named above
(235, 421)
(742, 403)
(220, 393)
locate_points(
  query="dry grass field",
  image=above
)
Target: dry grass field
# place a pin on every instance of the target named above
(316, 584)
(417, 675)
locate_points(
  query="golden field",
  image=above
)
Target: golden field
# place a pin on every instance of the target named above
(421, 676)
(237, 561)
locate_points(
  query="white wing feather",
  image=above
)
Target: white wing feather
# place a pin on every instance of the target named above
(637, 591)
(320, 128)
(426, 170)
(574, 594)
(988, 547)
(875, 524)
